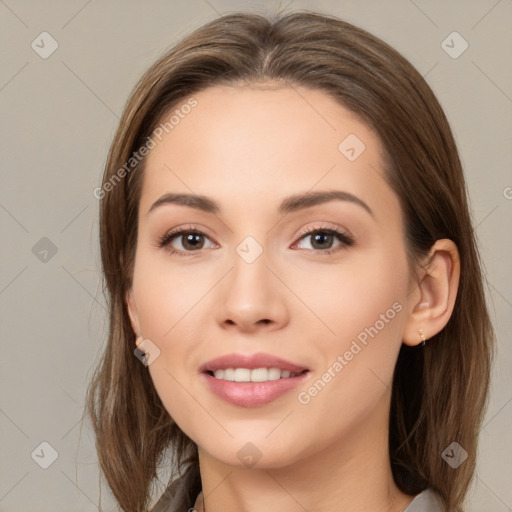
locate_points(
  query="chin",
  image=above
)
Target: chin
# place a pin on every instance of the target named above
(254, 453)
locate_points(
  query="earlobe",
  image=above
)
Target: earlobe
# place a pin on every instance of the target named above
(432, 304)
(132, 311)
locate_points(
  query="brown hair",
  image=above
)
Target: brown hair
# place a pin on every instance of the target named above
(440, 391)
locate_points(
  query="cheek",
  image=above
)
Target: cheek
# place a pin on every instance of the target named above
(353, 295)
(167, 294)
(362, 305)
(171, 300)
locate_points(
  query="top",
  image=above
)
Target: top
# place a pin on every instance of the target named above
(182, 495)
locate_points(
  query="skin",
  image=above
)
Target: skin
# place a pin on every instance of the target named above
(249, 148)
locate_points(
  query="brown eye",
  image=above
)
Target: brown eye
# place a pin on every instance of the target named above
(322, 240)
(191, 241)
(183, 241)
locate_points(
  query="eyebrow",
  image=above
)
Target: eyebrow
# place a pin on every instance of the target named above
(288, 205)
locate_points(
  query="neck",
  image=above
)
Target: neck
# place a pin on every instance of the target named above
(354, 474)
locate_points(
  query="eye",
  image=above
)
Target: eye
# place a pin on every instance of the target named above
(323, 238)
(190, 239)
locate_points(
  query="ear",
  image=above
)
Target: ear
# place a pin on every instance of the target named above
(431, 303)
(132, 311)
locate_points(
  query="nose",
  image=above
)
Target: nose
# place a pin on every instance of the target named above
(252, 297)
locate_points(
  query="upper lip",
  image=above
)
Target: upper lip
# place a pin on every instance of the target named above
(251, 362)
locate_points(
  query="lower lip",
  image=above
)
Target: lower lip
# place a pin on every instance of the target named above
(252, 394)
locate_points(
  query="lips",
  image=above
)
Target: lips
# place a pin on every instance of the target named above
(251, 362)
(253, 393)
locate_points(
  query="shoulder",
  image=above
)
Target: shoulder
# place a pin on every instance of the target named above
(426, 501)
(180, 494)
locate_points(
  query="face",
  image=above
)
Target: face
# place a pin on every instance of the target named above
(320, 283)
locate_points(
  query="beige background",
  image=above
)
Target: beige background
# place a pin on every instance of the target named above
(58, 118)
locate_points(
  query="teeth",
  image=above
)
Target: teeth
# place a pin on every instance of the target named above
(256, 375)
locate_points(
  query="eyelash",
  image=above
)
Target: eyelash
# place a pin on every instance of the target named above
(345, 239)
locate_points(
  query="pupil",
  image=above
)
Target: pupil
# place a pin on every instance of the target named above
(322, 236)
(190, 239)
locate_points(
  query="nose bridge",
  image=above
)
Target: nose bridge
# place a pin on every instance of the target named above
(250, 250)
(250, 293)
(250, 275)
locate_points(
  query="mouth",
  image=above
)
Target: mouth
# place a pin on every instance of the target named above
(253, 387)
(252, 380)
(253, 375)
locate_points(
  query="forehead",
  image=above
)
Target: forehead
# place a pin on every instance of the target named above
(264, 117)
(264, 140)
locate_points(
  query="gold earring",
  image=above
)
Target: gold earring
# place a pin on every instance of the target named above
(422, 337)
(139, 340)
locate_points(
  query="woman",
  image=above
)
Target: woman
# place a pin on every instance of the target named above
(296, 299)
